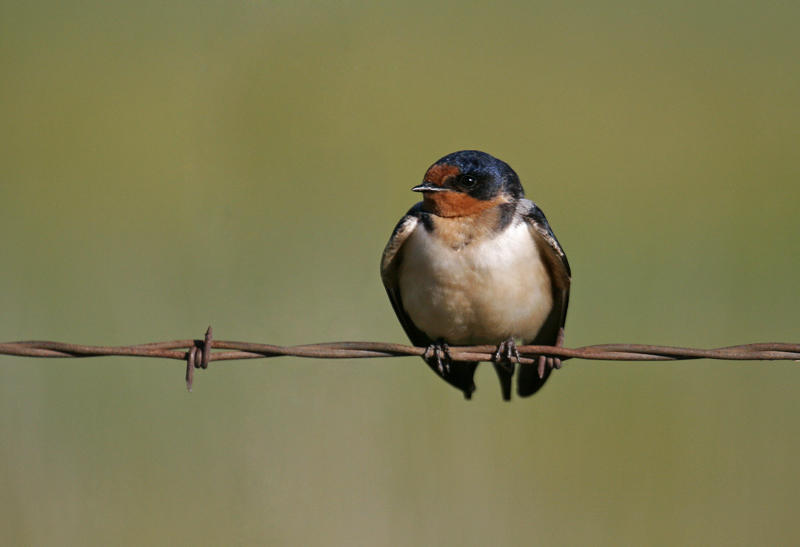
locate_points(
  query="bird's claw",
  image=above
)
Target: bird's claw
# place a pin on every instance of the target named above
(506, 354)
(546, 362)
(438, 353)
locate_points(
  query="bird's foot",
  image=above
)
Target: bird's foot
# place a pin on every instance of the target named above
(437, 355)
(506, 354)
(545, 362)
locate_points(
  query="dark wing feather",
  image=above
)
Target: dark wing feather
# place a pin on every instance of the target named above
(460, 374)
(555, 261)
(390, 264)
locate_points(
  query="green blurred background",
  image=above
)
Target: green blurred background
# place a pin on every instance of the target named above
(660, 138)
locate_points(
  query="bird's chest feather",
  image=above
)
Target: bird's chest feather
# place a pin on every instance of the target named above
(469, 287)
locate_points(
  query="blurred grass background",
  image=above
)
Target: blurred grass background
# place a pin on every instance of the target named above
(660, 138)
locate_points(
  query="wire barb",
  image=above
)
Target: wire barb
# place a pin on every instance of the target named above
(198, 356)
(198, 353)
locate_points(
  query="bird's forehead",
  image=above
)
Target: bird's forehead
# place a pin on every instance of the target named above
(440, 172)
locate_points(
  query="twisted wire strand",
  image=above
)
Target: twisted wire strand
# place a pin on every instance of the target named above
(198, 353)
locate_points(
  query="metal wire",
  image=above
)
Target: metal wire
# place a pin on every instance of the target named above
(198, 353)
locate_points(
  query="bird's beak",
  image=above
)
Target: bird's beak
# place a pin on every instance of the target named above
(428, 187)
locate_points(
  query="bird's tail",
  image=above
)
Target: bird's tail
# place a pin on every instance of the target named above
(528, 380)
(460, 375)
(505, 373)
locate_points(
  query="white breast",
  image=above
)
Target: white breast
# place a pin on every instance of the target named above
(483, 293)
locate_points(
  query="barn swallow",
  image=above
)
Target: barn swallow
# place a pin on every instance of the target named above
(476, 263)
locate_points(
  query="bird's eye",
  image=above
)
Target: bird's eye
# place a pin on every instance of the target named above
(468, 182)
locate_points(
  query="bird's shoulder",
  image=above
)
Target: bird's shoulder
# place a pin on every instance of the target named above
(404, 228)
(527, 211)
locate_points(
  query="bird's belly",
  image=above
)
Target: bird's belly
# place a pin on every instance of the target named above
(483, 293)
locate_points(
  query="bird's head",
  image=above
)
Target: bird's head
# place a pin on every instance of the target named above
(468, 182)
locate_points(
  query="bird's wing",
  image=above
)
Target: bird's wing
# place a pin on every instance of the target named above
(552, 332)
(390, 265)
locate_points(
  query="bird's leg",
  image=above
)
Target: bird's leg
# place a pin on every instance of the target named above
(506, 354)
(438, 353)
(551, 362)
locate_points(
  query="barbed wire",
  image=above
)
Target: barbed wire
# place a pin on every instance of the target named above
(199, 353)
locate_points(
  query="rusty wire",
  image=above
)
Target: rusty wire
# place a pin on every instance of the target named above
(198, 353)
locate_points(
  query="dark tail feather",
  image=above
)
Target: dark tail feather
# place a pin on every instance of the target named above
(528, 381)
(505, 371)
(461, 376)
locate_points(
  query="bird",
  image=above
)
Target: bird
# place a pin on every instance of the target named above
(476, 263)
